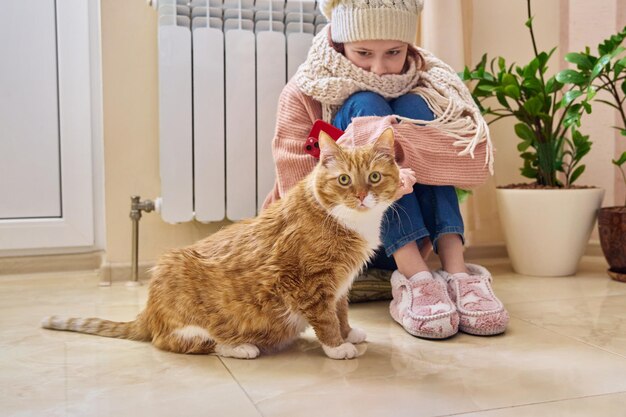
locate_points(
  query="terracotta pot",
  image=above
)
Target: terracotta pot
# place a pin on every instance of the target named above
(612, 228)
(547, 231)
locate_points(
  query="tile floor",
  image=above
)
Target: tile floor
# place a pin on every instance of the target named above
(564, 354)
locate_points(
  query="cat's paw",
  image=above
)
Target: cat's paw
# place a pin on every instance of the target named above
(343, 351)
(356, 335)
(243, 351)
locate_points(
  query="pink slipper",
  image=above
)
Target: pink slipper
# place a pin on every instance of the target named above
(480, 311)
(422, 306)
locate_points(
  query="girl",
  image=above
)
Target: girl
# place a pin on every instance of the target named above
(363, 74)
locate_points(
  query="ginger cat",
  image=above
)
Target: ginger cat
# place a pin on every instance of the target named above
(255, 285)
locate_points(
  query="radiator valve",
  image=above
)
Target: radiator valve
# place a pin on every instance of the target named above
(136, 207)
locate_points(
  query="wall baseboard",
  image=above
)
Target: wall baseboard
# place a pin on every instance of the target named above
(499, 251)
(121, 271)
(13, 265)
(594, 249)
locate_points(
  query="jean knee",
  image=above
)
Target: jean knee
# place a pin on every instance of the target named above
(413, 106)
(360, 104)
(367, 99)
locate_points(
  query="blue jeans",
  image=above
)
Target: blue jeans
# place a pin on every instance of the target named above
(429, 211)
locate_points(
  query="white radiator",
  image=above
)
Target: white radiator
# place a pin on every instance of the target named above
(222, 66)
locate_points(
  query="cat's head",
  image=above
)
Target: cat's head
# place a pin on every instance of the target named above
(358, 179)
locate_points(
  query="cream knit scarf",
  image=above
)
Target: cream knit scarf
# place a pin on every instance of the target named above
(330, 78)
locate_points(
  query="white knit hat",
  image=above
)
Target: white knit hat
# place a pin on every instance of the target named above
(362, 20)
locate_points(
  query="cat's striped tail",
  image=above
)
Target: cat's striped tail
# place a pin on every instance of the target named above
(133, 330)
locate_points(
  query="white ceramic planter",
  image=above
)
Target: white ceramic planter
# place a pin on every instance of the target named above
(547, 231)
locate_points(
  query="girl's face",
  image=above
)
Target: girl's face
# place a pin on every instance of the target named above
(379, 57)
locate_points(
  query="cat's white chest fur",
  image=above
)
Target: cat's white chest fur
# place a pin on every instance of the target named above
(365, 223)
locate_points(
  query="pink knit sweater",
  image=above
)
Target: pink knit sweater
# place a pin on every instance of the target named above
(425, 150)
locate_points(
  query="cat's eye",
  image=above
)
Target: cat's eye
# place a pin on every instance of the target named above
(375, 177)
(344, 179)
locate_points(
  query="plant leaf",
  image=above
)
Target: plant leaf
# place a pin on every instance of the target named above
(582, 61)
(577, 173)
(524, 132)
(617, 50)
(502, 100)
(501, 63)
(529, 172)
(553, 85)
(591, 93)
(570, 96)
(570, 76)
(466, 74)
(522, 146)
(599, 66)
(620, 161)
(534, 105)
(530, 69)
(543, 59)
(486, 87)
(508, 79)
(462, 195)
(512, 90)
(532, 84)
(573, 115)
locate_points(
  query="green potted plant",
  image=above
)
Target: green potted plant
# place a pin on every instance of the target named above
(606, 72)
(547, 223)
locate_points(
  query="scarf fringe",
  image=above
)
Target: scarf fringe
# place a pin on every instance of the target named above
(466, 125)
(328, 112)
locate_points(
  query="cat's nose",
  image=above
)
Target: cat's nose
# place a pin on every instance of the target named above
(361, 195)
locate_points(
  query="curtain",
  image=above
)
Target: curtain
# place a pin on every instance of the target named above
(446, 30)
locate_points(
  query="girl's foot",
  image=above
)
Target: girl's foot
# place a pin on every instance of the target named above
(480, 311)
(422, 306)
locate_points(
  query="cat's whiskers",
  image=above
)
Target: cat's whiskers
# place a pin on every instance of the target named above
(394, 207)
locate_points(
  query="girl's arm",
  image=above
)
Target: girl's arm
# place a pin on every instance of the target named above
(294, 119)
(426, 150)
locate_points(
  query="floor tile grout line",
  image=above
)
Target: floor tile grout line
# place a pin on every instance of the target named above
(621, 356)
(532, 404)
(240, 386)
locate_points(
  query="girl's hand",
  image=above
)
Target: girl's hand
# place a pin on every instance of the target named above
(407, 181)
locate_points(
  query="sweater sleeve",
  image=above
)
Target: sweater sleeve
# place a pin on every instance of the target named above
(294, 119)
(429, 152)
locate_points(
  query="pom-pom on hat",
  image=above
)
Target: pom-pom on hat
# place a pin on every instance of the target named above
(363, 20)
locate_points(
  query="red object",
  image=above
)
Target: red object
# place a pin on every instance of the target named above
(312, 146)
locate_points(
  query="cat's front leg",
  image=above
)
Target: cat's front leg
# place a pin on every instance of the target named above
(349, 334)
(322, 316)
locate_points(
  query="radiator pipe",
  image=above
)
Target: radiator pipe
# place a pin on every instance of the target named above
(136, 207)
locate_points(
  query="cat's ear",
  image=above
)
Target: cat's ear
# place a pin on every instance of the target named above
(329, 150)
(384, 143)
